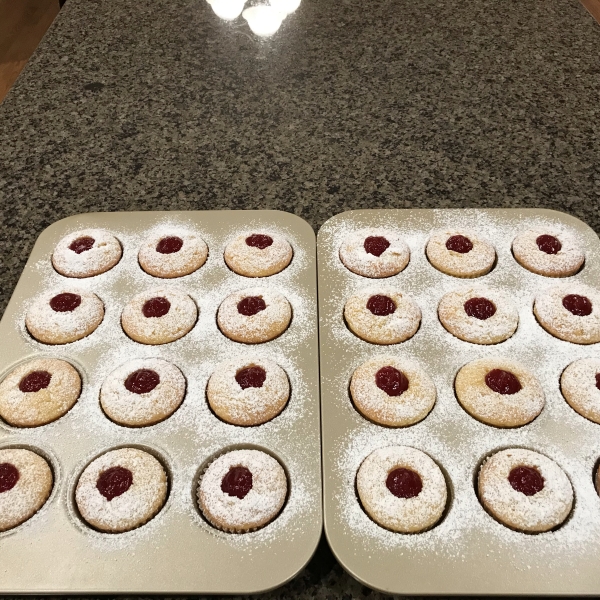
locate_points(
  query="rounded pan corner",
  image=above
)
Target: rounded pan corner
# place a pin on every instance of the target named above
(299, 221)
(565, 216)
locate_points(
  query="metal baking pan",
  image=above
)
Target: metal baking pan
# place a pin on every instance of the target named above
(177, 551)
(468, 552)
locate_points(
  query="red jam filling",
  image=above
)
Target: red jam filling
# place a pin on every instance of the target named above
(251, 305)
(526, 480)
(35, 381)
(258, 240)
(480, 308)
(391, 381)
(9, 475)
(502, 382)
(114, 481)
(580, 306)
(548, 244)
(237, 482)
(381, 306)
(142, 381)
(459, 243)
(598, 380)
(156, 307)
(66, 302)
(169, 245)
(251, 377)
(404, 483)
(82, 244)
(376, 245)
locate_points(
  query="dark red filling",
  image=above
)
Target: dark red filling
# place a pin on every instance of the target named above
(381, 306)
(480, 308)
(114, 481)
(459, 243)
(142, 381)
(548, 244)
(169, 245)
(251, 305)
(82, 244)
(237, 482)
(9, 475)
(598, 380)
(260, 241)
(502, 382)
(391, 381)
(526, 480)
(156, 307)
(251, 377)
(404, 483)
(35, 381)
(65, 302)
(376, 245)
(580, 306)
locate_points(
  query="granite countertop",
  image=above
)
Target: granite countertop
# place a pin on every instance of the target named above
(157, 105)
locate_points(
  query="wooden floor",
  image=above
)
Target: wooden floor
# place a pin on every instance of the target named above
(23, 23)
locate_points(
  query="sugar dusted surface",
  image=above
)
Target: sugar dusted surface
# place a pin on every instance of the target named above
(467, 535)
(578, 384)
(251, 261)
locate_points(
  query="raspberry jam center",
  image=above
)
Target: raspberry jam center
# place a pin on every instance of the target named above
(526, 480)
(237, 482)
(548, 244)
(580, 306)
(169, 245)
(251, 305)
(391, 381)
(82, 244)
(459, 243)
(404, 483)
(259, 240)
(502, 382)
(35, 381)
(598, 380)
(253, 376)
(156, 307)
(381, 306)
(142, 381)
(114, 481)
(65, 302)
(376, 245)
(9, 475)
(480, 308)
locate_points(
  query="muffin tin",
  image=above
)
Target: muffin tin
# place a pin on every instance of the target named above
(467, 552)
(177, 551)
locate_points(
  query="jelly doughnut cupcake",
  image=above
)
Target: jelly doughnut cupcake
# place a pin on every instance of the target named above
(548, 251)
(248, 391)
(525, 490)
(159, 316)
(65, 316)
(254, 315)
(142, 392)
(121, 490)
(570, 312)
(382, 315)
(478, 315)
(580, 385)
(86, 253)
(460, 253)
(25, 484)
(374, 253)
(39, 392)
(499, 392)
(172, 255)
(392, 391)
(258, 254)
(402, 489)
(242, 491)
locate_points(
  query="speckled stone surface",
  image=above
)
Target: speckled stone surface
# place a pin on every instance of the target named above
(157, 105)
